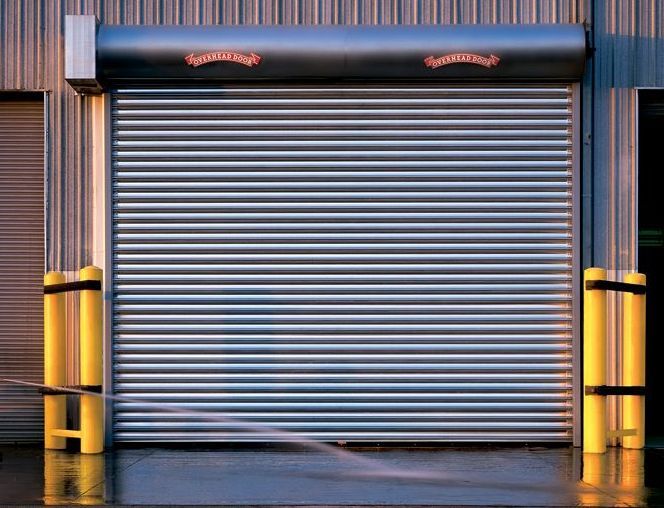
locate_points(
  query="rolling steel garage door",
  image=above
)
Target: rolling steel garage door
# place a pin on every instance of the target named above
(21, 264)
(352, 262)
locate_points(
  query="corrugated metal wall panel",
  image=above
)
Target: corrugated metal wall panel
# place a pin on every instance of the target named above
(354, 262)
(21, 45)
(21, 265)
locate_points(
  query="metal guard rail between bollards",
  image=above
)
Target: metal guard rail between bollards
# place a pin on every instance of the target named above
(610, 285)
(69, 389)
(605, 390)
(91, 433)
(78, 285)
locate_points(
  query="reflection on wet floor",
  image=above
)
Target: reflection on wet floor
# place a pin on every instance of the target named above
(620, 472)
(470, 476)
(73, 477)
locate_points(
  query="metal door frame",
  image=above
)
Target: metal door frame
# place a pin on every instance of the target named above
(577, 267)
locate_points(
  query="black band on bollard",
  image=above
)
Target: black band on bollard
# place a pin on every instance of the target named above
(615, 390)
(66, 390)
(79, 285)
(609, 285)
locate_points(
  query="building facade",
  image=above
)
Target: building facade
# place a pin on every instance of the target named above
(393, 334)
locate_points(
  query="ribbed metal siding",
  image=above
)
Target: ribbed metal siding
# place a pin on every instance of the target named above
(354, 262)
(21, 265)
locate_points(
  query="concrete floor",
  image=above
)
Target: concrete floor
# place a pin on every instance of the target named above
(265, 476)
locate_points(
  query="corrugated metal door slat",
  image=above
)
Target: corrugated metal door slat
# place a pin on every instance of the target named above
(368, 263)
(21, 266)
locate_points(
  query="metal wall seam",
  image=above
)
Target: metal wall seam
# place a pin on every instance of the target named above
(358, 262)
(104, 172)
(578, 252)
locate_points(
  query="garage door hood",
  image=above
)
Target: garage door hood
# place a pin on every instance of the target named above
(484, 52)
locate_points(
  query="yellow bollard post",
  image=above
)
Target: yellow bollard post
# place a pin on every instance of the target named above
(634, 362)
(594, 363)
(92, 407)
(55, 406)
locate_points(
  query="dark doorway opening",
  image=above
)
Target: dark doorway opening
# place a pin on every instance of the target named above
(651, 250)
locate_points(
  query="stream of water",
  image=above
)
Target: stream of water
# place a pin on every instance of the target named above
(355, 464)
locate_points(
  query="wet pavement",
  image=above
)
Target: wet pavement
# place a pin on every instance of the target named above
(263, 476)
